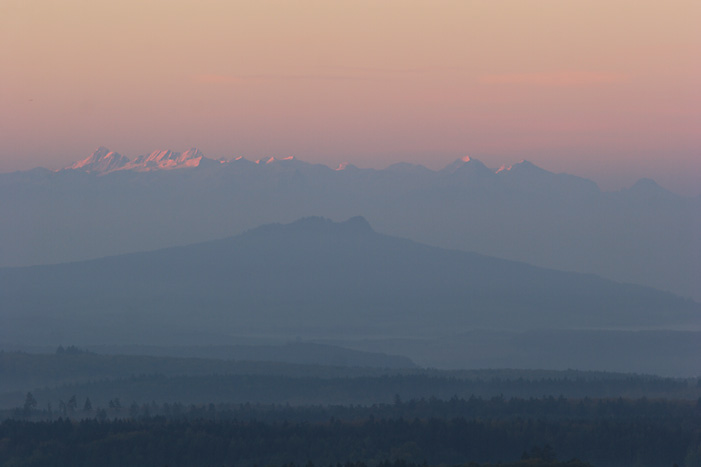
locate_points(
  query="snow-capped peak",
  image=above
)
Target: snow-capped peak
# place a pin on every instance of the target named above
(167, 159)
(103, 161)
(465, 163)
(192, 153)
(100, 161)
(273, 160)
(265, 161)
(503, 168)
(507, 168)
(522, 167)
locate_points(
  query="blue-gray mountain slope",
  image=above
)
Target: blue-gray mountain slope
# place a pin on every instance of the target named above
(313, 279)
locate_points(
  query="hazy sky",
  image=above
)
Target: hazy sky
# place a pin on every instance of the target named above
(601, 88)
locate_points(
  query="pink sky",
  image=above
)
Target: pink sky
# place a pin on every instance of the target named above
(604, 89)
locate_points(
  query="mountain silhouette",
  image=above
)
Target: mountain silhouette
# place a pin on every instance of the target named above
(313, 279)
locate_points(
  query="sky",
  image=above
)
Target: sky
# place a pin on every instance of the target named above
(604, 89)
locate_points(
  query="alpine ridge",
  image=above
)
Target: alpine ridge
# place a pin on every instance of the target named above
(104, 161)
(101, 161)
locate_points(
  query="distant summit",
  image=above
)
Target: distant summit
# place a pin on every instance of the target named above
(522, 167)
(647, 189)
(168, 160)
(103, 161)
(527, 177)
(466, 165)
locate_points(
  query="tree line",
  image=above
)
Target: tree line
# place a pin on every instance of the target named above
(604, 432)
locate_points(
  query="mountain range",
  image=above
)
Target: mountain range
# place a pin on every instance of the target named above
(107, 204)
(104, 161)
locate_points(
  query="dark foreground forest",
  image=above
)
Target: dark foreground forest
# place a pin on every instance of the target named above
(77, 408)
(545, 431)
